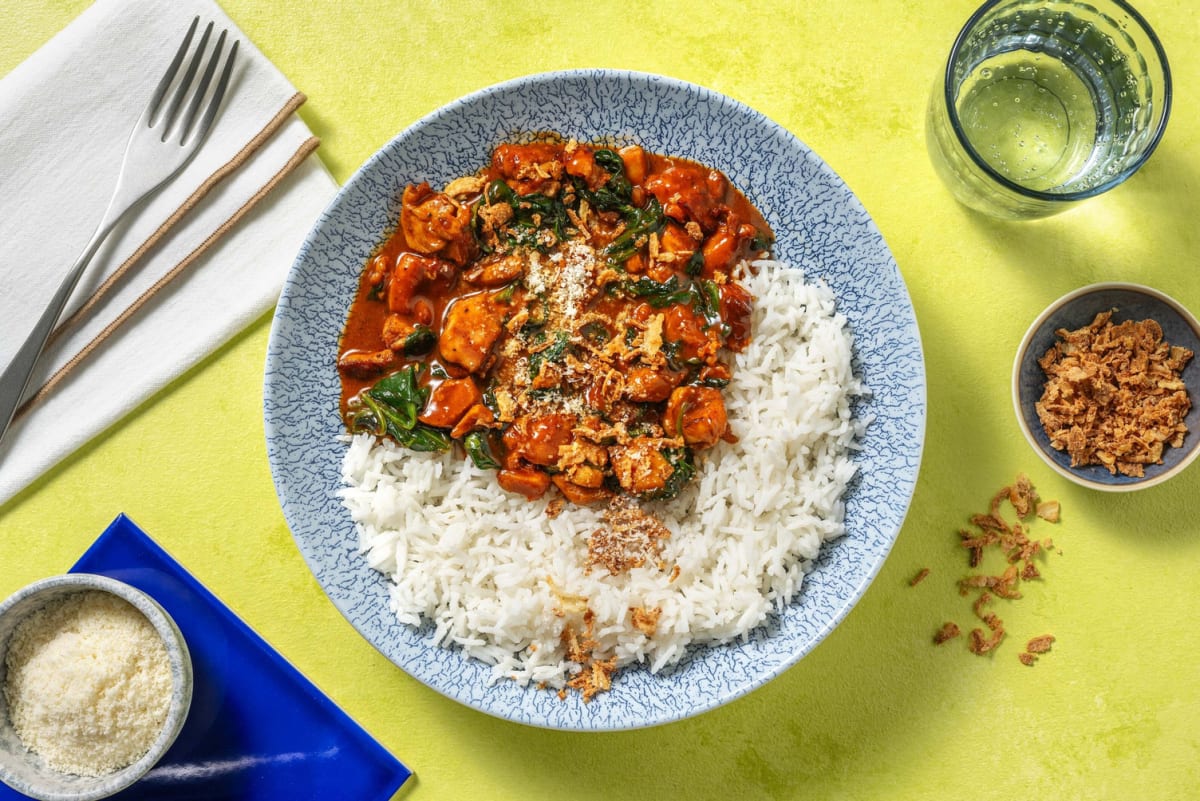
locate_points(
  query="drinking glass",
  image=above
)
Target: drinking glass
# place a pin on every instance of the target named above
(1044, 103)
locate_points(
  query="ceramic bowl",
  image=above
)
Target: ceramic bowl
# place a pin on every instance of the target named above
(25, 771)
(1075, 310)
(820, 227)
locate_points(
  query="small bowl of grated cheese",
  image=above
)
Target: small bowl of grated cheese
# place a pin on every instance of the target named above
(95, 685)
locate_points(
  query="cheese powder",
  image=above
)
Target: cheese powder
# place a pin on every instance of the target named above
(88, 684)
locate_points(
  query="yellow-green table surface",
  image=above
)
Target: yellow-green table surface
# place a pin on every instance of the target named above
(876, 711)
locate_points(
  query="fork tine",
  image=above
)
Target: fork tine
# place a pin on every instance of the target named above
(161, 89)
(181, 89)
(211, 111)
(149, 163)
(189, 116)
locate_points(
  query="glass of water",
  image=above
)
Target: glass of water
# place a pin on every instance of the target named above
(1045, 103)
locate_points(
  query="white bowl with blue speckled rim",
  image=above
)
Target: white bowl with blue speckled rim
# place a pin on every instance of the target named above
(820, 226)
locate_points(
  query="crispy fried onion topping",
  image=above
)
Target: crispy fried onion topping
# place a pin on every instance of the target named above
(1114, 394)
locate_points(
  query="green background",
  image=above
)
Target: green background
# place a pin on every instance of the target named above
(875, 712)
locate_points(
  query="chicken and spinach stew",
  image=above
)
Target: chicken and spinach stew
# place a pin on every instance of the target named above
(567, 316)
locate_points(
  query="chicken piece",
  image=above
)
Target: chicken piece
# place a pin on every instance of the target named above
(696, 341)
(735, 308)
(697, 414)
(576, 493)
(585, 475)
(525, 481)
(635, 264)
(689, 192)
(377, 270)
(366, 364)
(529, 168)
(636, 163)
(675, 239)
(581, 163)
(640, 466)
(719, 251)
(397, 328)
(642, 313)
(537, 439)
(410, 272)
(648, 385)
(433, 222)
(465, 186)
(724, 248)
(496, 271)
(470, 329)
(422, 311)
(478, 416)
(660, 271)
(449, 402)
(717, 372)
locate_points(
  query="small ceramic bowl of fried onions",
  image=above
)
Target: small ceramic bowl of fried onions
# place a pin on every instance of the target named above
(1105, 386)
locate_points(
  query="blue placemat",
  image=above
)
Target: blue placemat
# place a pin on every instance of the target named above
(257, 728)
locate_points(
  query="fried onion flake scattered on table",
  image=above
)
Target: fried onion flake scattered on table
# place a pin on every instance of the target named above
(992, 532)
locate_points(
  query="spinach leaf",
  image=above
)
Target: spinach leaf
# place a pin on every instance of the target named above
(505, 295)
(660, 295)
(399, 395)
(639, 224)
(550, 354)
(762, 241)
(532, 215)
(671, 348)
(596, 333)
(476, 445)
(717, 383)
(649, 288)
(539, 315)
(708, 300)
(499, 192)
(662, 301)
(617, 192)
(391, 406)
(422, 438)
(420, 341)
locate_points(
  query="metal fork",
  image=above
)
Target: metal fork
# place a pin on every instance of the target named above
(164, 140)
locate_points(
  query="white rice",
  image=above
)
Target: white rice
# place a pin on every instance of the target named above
(489, 568)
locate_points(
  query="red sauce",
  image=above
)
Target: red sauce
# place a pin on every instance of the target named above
(574, 293)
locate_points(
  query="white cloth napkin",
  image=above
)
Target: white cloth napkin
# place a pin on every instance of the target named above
(196, 264)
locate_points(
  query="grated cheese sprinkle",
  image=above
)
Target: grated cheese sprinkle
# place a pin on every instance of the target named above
(88, 683)
(566, 276)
